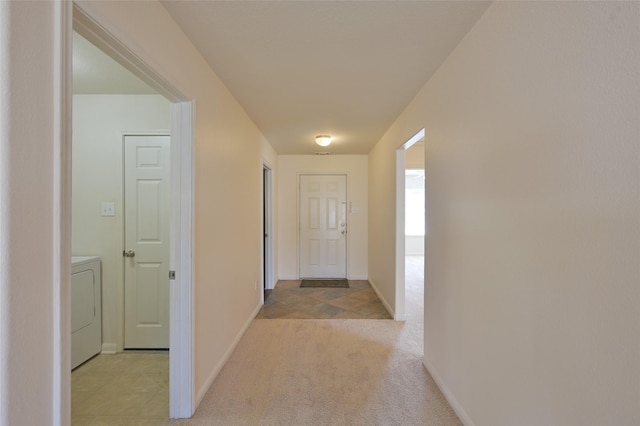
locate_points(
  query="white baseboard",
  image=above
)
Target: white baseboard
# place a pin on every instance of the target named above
(358, 277)
(382, 299)
(288, 278)
(462, 415)
(109, 348)
(207, 384)
(400, 317)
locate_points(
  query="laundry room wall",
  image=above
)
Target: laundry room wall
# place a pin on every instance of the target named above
(99, 122)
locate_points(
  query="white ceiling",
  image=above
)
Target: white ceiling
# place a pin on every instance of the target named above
(343, 68)
(304, 68)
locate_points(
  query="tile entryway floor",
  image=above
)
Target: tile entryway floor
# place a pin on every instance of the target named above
(288, 300)
(129, 388)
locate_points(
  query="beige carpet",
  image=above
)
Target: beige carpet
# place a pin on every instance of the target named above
(328, 372)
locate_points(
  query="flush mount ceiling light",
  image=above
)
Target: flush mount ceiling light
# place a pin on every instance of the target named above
(323, 140)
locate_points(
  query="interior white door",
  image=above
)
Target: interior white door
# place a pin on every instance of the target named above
(323, 226)
(147, 209)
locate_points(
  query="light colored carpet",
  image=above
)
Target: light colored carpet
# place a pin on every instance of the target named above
(328, 372)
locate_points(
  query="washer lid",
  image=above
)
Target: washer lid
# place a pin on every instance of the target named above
(81, 260)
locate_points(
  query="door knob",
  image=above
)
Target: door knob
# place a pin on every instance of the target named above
(343, 232)
(129, 253)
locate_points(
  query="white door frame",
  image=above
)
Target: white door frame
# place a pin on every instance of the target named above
(400, 225)
(181, 362)
(267, 208)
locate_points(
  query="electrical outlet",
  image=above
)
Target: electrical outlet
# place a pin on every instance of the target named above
(108, 209)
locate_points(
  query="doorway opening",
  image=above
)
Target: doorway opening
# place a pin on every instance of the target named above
(414, 234)
(409, 233)
(180, 123)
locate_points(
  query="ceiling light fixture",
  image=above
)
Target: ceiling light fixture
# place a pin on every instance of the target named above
(323, 140)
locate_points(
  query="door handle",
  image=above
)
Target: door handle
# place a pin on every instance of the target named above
(344, 231)
(129, 253)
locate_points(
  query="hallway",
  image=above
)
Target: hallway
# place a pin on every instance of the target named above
(329, 372)
(530, 116)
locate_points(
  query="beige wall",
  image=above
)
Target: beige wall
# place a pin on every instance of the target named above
(382, 217)
(99, 122)
(289, 169)
(228, 180)
(532, 129)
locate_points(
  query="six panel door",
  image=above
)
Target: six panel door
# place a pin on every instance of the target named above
(146, 253)
(323, 226)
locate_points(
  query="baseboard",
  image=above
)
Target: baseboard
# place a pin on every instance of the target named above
(462, 415)
(207, 384)
(288, 278)
(359, 277)
(382, 299)
(109, 348)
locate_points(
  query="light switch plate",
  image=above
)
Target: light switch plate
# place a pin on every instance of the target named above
(108, 209)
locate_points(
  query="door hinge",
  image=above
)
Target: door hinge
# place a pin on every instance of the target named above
(172, 275)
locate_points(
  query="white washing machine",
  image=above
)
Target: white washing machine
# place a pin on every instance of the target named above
(86, 308)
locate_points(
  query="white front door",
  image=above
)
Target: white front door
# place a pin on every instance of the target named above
(323, 226)
(147, 208)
